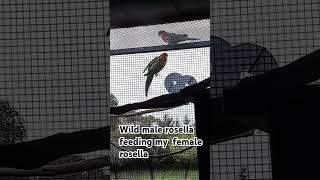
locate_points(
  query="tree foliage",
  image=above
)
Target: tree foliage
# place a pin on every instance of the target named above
(11, 128)
(149, 120)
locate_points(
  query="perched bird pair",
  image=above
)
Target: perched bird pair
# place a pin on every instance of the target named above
(158, 63)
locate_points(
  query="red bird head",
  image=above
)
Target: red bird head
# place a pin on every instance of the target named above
(162, 33)
(164, 57)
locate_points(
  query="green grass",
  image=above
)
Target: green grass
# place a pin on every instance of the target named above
(163, 174)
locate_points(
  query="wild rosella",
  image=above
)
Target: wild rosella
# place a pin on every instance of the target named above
(154, 67)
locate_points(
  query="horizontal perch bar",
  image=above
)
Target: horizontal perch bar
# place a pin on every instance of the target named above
(185, 96)
(53, 170)
(161, 48)
(36, 153)
(140, 112)
(300, 72)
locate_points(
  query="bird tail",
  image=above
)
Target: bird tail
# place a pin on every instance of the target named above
(192, 39)
(173, 43)
(145, 69)
(148, 83)
(146, 74)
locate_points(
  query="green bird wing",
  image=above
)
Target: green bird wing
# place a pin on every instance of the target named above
(150, 63)
(154, 66)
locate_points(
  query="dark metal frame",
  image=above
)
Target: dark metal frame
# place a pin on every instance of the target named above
(161, 48)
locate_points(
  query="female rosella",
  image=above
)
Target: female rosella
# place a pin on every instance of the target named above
(173, 38)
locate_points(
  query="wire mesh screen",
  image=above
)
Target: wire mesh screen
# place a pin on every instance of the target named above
(250, 38)
(148, 38)
(242, 158)
(54, 71)
(183, 67)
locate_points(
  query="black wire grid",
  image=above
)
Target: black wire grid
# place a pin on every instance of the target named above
(54, 68)
(284, 31)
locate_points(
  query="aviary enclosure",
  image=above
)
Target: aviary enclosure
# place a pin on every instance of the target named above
(265, 67)
(249, 87)
(188, 62)
(54, 107)
(257, 116)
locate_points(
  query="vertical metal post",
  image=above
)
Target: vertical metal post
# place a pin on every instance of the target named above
(202, 115)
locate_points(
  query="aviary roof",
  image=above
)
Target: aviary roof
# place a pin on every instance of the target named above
(147, 36)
